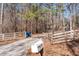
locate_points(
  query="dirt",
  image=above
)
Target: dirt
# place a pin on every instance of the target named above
(60, 49)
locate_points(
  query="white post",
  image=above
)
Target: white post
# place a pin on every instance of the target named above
(14, 36)
(3, 36)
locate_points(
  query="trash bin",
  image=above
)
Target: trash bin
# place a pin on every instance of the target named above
(27, 34)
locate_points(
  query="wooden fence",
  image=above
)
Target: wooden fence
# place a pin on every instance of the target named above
(10, 36)
(64, 36)
(55, 38)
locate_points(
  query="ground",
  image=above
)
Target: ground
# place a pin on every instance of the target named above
(60, 49)
(4, 42)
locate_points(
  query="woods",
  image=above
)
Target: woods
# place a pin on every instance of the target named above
(38, 18)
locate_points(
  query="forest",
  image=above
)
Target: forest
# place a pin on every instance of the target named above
(38, 17)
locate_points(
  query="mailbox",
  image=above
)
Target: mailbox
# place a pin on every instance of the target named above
(37, 46)
(28, 34)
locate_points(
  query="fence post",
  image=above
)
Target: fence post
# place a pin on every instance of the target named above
(3, 36)
(14, 35)
(23, 35)
(72, 34)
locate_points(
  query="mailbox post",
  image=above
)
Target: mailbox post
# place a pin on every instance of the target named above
(37, 47)
(41, 52)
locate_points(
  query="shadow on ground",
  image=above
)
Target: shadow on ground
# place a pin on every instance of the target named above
(73, 47)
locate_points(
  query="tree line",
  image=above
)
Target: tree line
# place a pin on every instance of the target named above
(39, 17)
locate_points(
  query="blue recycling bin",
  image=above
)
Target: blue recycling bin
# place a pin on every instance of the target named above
(27, 34)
